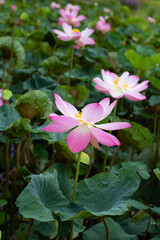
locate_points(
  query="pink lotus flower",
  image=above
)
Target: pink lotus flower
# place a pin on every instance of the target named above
(2, 2)
(124, 85)
(1, 101)
(83, 124)
(84, 39)
(71, 7)
(81, 39)
(14, 8)
(70, 17)
(152, 20)
(55, 5)
(68, 33)
(102, 26)
(107, 10)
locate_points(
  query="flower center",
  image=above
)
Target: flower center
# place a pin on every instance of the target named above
(116, 81)
(78, 116)
(125, 85)
(75, 30)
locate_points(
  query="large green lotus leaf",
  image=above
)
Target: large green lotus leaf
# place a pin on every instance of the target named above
(131, 226)
(53, 63)
(157, 173)
(137, 205)
(157, 237)
(3, 202)
(79, 93)
(38, 82)
(98, 53)
(139, 166)
(154, 100)
(34, 104)
(139, 62)
(142, 63)
(144, 50)
(154, 81)
(41, 197)
(98, 232)
(103, 194)
(8, 114)
(64, 227)
(138, 227)
(63, 177)
(137, 135)
(82, 74)
(155, 210)
(114, 39)
(21, 232)
(19, 128)
(64, 151)
(18, 50)
(47, 228)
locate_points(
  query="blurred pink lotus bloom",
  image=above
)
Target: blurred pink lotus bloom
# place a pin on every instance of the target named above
(124, 85)
(107, 10)
(55, 5)
(14, 8)
(85, 38)
(2, 2)
(152, 20)
(102, 26)
(1, 101)
(83, 124)
(81, 39)
(68, 33)
(71, 7)
(70, 17)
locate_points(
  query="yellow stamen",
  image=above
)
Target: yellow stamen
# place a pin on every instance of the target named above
(75, 30)
(78, 115)
(125, 85)
(116, 81)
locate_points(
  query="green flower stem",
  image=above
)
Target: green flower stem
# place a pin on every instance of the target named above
(149, 221)
(105, 160)
(5, 192)
(107, 228)
(7, 167)
(74, 190)
(17, 165)
(29, 228)
(76, 177)
(90, 165)
(70, 71)
(114, 112)
(113, 158)
(3, 73)
(107, 148)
